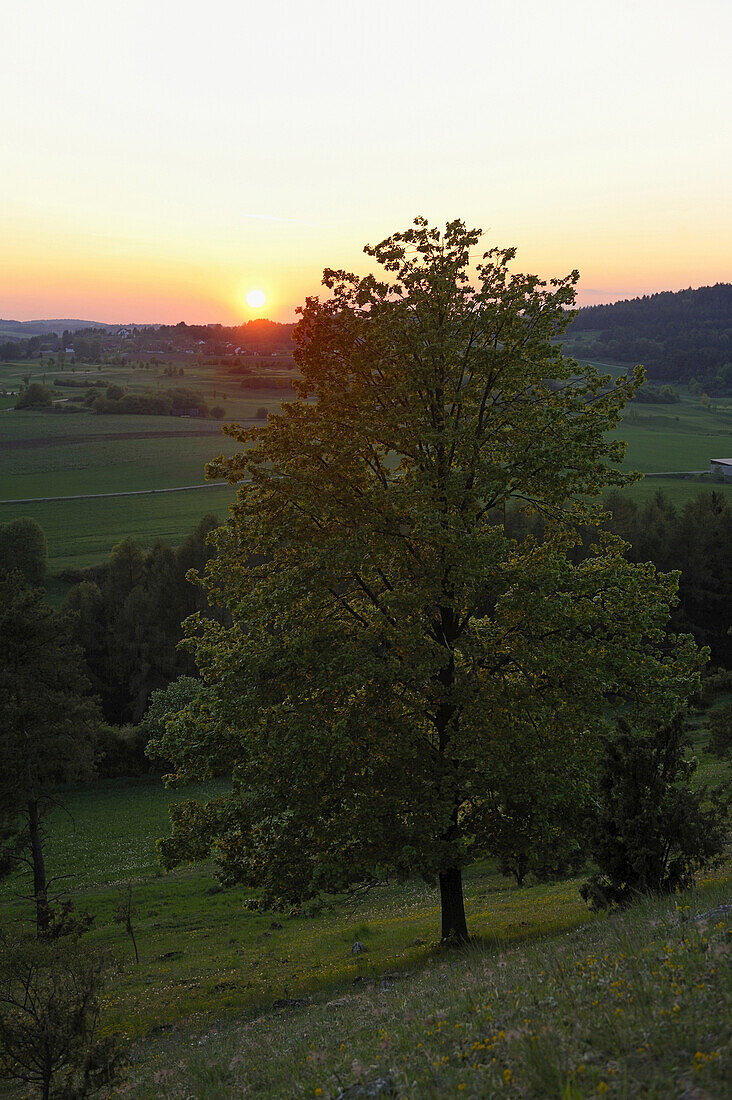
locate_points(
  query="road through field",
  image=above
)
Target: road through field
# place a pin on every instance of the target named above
(127, 493)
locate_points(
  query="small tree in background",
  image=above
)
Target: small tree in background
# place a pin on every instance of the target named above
(652, 832)
(124, 913)
(35, 396)
(23, 547)
(49, 1015)
(47, 726)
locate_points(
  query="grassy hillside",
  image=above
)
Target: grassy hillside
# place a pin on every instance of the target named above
(628, 1006)
(206, 956)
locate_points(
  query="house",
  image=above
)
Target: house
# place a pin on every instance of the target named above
(721, 466)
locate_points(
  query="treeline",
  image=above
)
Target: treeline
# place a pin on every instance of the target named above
(266, 382)
(180, 401)
(695, 539)
(677, 336)
(22, 349)
(128, 615)
(89, 344)
(257, 336)
(656, 395)
(130, 609)
(177, 402)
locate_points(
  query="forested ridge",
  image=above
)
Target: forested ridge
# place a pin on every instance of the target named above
(683, 336)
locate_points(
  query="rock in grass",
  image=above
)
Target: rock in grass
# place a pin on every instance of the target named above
(381, 1086)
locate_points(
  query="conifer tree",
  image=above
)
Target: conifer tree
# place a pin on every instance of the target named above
(47, 726)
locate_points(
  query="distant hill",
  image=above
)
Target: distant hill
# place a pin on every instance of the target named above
(677, 335)
(24, 329)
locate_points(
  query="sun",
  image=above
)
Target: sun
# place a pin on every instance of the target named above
(256, 299)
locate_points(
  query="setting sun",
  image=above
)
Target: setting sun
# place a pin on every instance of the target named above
(256, 299)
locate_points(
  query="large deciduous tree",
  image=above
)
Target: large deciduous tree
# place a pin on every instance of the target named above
(390, 641)
(47, 726)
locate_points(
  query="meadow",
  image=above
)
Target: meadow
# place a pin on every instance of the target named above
(45, 454)
(627, 1006)
(227, 1000)
(207, 960)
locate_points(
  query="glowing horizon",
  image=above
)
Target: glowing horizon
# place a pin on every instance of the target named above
(169, 163)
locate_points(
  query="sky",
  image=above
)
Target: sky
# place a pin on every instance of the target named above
(160, 160)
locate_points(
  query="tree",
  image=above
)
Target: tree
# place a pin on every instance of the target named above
(652, 832)
(389, 638)
(47, 724)
(23, 547)
(536, 817)
(49, 1015)
(34, 396)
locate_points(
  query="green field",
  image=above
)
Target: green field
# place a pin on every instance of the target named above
(82, 532)
(636, 1005)
(205, 956)
(46, 454)
(211, 970)
(56, 454)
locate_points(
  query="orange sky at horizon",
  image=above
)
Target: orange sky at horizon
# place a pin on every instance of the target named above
(171, 162)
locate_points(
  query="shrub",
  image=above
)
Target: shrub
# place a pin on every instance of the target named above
(49, 1014)
(218, 412)
(35, 396)
(652, 832)
(23, 547)
(122, 752)
(713, 685)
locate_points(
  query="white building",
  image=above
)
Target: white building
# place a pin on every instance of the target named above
(721, 466)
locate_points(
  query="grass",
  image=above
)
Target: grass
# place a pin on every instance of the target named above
(678, 490)
(113, 466)
(205, 955)
(82, 532)
(78, 460)
(660, 438)
(627, 1006)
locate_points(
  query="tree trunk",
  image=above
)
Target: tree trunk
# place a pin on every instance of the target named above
(454, 925)
(40, 889)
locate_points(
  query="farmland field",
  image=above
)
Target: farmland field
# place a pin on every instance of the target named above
(56, 454)
(52, 454)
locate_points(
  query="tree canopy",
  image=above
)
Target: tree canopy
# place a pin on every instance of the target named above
(23, 547)
(389, 640)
